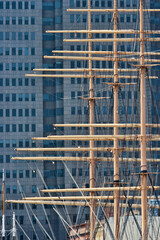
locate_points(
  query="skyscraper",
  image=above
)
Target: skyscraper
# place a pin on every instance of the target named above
(29, 106)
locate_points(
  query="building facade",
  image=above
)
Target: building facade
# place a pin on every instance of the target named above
(30, 106)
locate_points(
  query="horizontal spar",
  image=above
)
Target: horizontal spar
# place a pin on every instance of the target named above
(73, 203)
(97, 137)
(79, 149)
(101, 58)
(130, 31)
(100, 189)
(112, 40)
(120, 125)
(86, 198)
(111, 10)
(105, 52)
(80, 159)
(93, 58)
(81, 76)
(82, 70)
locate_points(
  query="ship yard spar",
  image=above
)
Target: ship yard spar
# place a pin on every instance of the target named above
(90, 73)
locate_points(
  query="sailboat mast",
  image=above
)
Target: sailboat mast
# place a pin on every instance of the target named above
(143, 131)
(115, 114)
(91, 121)
(3, 216)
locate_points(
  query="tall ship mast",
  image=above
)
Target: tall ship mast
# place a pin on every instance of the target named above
(139, 61)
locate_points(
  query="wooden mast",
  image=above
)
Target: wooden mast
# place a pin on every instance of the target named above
(91, 121)
(115, 114)
(143, 131)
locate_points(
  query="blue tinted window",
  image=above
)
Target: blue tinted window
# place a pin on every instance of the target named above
(32, 4)
(20, 5)
(14, 5)
(1, 5)
(7, 5)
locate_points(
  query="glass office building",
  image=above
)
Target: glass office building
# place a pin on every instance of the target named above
(30, 106)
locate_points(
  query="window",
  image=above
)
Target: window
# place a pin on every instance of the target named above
(77, 3)
(27, 173)
(71, 3)
(25, 5)
(26, 36)
(79, 110)
(7, 112)
(14, 174)
(1, 112)
(8, 189)
(7, 158)
(20, 173)
(72, 18)
(13, 66)
(7, 67)
(20, 143)
(60, 172)
(13, 81)
(1, 158)
(1, 97)
(7, 128)
(19, 5)
(58, 19)
(26, 66)
(33, 173)
(32, 4)
(26, 51)
(7, 20)
(20, 97)
(78, 18)
(14, 20)
(32, 51)
(7, 174)
(14, 189)
(26, 127)
(26, 97)
(20, 36)
(26, 21)
(26, 112)
(13, 35)
(14, 113)
(33, 82)
(1, 35)
(33, 127)
(73, 110)
(19, 81)
(14, 143)
(33, 97)
(32, 36)
(20, 127)
(14, 5)
(33, 112)
(34, 189)
(1, 20)
(1, 5)
(1, 127)
(128, 18)
(13, 97)
(21, 220)
(1, 81)
(20, 20)
(1, 143)
(1, 66)
(32, 20)
(84, 3)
